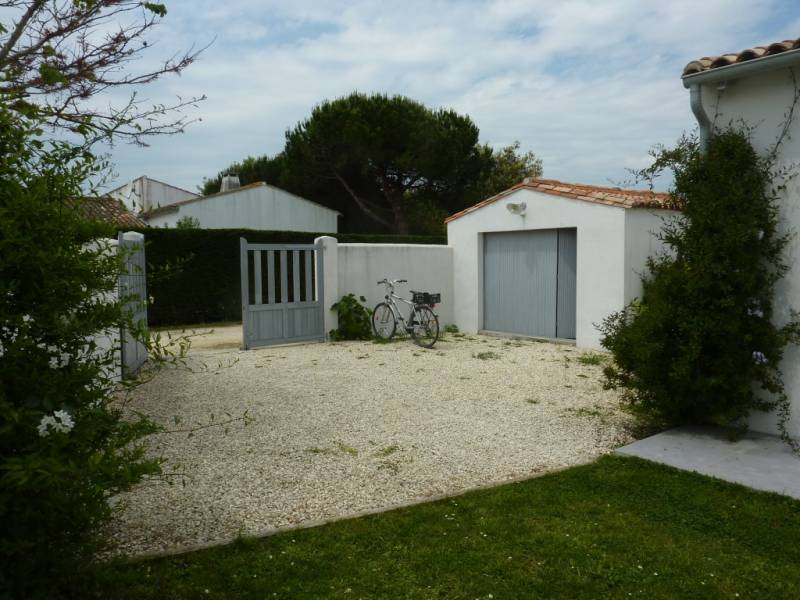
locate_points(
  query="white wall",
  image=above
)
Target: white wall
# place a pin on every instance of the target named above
(259, 207)
(762, 102)
(641, 241)
(358, 268)
(143, 194)
(600, 260)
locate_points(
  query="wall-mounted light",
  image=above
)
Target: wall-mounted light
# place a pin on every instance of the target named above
(517, 208)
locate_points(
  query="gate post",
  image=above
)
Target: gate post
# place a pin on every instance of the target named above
(245, 288)
(330, 281)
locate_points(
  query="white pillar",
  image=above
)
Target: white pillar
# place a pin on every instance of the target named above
(330, 279)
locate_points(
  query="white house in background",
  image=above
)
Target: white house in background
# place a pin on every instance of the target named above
(253, 206)
(758, 86)
(551, 260)
(144, 194)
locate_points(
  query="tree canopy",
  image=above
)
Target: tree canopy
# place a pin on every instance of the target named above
(56, 57)
(388, 163)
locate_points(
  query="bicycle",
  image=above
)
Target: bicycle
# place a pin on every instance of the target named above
(422, 323)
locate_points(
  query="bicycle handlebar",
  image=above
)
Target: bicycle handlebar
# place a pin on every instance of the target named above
(392, 282)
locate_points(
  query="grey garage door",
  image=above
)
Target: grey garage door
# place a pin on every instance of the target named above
(529, 282)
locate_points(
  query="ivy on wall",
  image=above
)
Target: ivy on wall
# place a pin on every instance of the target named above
(701, 346)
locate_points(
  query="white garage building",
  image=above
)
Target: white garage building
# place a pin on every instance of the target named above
(549, 259)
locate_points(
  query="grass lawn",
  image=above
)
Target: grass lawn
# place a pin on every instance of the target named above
(619, 527)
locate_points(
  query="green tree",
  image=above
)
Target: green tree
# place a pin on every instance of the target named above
(504, 168)
(251, 169)
(56, 56)
(67, 445)
(701, 345)
(387, 163)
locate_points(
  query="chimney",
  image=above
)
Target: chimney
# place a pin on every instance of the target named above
(229, 182)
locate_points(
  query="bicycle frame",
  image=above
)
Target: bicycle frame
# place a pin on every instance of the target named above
(391, 298)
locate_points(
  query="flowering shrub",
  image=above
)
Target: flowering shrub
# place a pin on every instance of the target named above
(701, 345)
(65, 448)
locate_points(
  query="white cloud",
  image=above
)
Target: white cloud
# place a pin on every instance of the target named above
(589, 86)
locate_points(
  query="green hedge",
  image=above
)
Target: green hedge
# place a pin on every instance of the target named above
(193, 274)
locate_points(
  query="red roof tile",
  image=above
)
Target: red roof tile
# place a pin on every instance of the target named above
(730, 58)
(106, 210)
(578, 191)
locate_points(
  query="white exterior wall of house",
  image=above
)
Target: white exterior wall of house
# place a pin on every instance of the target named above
(252, 207)
(143, 194)
(762, 102)
(612, 246)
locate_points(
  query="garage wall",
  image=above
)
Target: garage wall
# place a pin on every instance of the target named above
(641, 240)
(600, 255)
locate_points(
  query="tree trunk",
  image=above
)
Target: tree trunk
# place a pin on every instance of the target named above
(400, 220)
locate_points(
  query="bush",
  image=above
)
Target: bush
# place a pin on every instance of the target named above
(65, 448)
(193, 274)
(701, 346)
(355, 319)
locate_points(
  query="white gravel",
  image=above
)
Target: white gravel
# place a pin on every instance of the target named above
(346, 427)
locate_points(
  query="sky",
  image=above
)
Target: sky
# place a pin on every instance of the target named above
(588, 86)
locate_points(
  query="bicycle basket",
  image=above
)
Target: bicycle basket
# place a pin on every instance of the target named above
(426, 298)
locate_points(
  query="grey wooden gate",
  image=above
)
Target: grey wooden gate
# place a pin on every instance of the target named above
(281, 293)
(133, 294)
(529, 282)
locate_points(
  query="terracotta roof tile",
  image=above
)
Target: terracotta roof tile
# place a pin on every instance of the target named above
(723, 60)
(106, 210)
(577, 191)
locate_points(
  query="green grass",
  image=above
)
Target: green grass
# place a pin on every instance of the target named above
(488, 355)
(619, 527)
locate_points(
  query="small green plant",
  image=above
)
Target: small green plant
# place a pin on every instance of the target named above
(187, 222)
(451, 328)
(591, 358)
(354, 319)
(388, 450)
(346, 449)
(488, 355)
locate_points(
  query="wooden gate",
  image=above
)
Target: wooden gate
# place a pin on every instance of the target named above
(281, 293)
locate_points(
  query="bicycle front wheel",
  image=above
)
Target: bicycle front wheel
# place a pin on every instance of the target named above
(383, 322)
(424, 326)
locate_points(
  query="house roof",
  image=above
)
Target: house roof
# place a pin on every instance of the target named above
(174, 187)
(609, 196)
(106, 210)
(257, 184)
(729, 58)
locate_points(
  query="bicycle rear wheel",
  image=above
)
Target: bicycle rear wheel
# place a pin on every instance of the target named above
(424, 326)
(384, 324)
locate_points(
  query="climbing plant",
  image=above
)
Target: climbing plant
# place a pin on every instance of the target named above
(702, 345)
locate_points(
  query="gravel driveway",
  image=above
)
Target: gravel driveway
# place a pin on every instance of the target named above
(346, 427)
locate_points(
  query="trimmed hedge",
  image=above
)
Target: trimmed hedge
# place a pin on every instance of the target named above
(193, 274)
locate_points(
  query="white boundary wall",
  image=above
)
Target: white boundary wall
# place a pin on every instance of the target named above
(356, 269)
